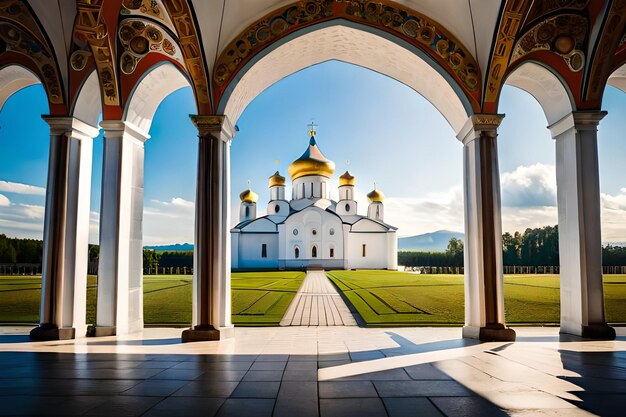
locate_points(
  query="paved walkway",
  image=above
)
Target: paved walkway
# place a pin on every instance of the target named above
(317, 303)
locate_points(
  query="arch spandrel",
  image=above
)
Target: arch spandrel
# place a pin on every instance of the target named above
(87, 106)
(352, 46)
(396, 21)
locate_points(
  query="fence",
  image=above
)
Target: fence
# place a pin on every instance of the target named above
(20, 269)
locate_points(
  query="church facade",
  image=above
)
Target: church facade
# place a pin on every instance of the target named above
(311, 230)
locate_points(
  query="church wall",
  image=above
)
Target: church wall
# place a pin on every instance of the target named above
(376, 251)
(250, 250)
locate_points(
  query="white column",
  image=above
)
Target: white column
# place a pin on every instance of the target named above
(484, 296)
(580, 241)
(66, 230)
(120, 268)
(211, 281)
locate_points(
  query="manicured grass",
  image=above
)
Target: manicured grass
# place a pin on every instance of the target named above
(262, 298)
(390, 298)
(259, 298)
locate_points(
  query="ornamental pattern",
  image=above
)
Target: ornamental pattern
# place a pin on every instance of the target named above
(91, 37)
(419, 30)
(138, 38)
(564, 35)
(19, 33)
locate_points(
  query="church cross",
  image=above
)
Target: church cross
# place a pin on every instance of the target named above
(312, 127)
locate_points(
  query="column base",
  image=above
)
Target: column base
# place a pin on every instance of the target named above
(200, 334)
(496, 332)
(46, 331)
(600, 331)
(102, 331)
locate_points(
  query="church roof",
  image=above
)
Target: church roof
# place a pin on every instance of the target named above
(249, 196)
(346, 179)
(276, 180)
(312, 162)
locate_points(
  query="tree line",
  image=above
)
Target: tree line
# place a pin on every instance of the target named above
(533, 247)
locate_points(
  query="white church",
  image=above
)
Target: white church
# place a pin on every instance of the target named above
(311, 230)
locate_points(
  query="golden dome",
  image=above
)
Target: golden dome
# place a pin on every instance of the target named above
(346, 179)
(249, 196)
(376, 196)
(277, 180)
(312, 162)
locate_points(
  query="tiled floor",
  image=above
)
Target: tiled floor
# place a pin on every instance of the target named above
(312, 371)
(317, 303)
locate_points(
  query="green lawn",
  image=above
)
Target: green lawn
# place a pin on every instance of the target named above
(390, 298)
(259, 298)
(384, 298)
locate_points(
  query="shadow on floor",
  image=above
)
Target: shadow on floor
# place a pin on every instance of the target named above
(14, 338)
(148, 342)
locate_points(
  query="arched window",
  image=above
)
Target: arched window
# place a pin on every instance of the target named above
(277, 209)
(247, 211)
(347, 207)
(296, 253)
(314, 252)
(332, 252)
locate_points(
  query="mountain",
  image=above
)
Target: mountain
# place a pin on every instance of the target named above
(435, 241)
(182, 247)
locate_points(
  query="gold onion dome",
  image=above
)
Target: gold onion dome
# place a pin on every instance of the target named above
(312, 162)
(249, 196)
(346, 179)
(276, 180)
(376, 196)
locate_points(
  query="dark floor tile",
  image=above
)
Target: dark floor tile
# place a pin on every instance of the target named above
(156, 388)
(222, 376)
(221, 389)
(256, 390)
(302, 358)
(124, 406)
(346, 389)
(609, 405)
(426, 372)
(421, 389)
(328, 364)
(297, 400)
(352, 407)
(388, 375)
(182, 374)
(244, 407)
(268, 366)
(300, 375)
(186, 407)
(227, 366)
(272, 358)
(157, 364)
(366, 356)
(263, 376)
(411, 407)
(467, 406)
(301, 366)
(27, 405)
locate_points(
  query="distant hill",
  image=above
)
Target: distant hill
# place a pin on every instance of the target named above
(435, 241)
(180, 247)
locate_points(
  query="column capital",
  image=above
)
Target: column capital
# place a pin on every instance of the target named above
(579, 120)
(117, 128)
(71, 126)
(477, 124)
(218, 126)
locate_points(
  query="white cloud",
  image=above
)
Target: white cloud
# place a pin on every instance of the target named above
(167, 222)
(4, 201)
(19, 188)
(22, 220)
(529, 186)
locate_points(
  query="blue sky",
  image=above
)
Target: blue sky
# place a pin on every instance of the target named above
(372, 125)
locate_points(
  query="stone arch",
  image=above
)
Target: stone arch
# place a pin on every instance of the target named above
(154, 86)
(618, 78)
(87, 106)
(548, 89)
(354, 43)
(13, 78)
